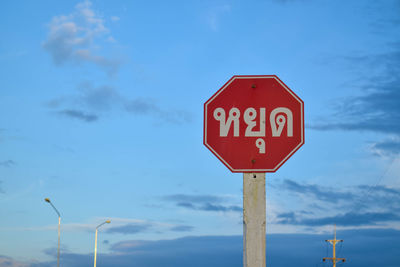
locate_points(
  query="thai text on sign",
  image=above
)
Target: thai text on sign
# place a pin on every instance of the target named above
(278, 118)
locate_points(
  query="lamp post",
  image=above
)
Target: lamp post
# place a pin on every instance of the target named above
(95, 241)
(59, 223)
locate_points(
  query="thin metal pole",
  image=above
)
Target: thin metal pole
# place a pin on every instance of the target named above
(95, 241)
(95, 248)
(58, 249)
(59, 229)
(254, 218)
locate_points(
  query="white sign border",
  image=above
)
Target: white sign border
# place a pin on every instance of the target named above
(254, 77)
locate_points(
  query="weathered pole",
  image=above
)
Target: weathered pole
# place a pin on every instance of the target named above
(254, 217)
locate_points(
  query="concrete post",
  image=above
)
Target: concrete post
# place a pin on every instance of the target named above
(254, 215)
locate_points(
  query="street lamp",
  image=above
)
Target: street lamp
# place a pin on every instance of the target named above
(59, 223)
(95, 241)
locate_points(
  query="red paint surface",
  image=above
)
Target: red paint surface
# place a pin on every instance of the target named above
(240, 154)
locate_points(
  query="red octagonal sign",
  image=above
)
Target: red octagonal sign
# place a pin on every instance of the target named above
(254, 123)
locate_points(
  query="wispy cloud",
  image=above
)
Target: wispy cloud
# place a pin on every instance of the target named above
(10, 262)
(148, 226)
(78, 114)
(7, 163)
(203, 203)
(125, 226)
(342, 219)
(77, 38)
(316, 191)
(378, 196)
(386, 191)
(182, 228)
(68, 227)
(185, 245)
(376, 108)
(390, 147)
(90, 102)
(73, 38)
(132, 228)
(87, 96)
(128, 226)
(140, 106)
(356, 206)
(192, 198)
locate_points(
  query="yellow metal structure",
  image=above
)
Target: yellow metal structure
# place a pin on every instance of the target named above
(334, 259)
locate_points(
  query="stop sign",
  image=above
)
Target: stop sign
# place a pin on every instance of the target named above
(254, 123)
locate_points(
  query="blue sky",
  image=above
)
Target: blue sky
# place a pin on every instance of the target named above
(102, 112)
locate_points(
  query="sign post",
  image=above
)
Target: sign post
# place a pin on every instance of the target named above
(253, 124)
(254, 216)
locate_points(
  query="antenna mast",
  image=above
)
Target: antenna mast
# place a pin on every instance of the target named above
(334, 242)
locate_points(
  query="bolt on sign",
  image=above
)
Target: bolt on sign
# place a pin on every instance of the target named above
(254, 123)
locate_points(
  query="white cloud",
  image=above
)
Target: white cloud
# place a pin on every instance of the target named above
(10, 262)
(75, 38)
(92, 223)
